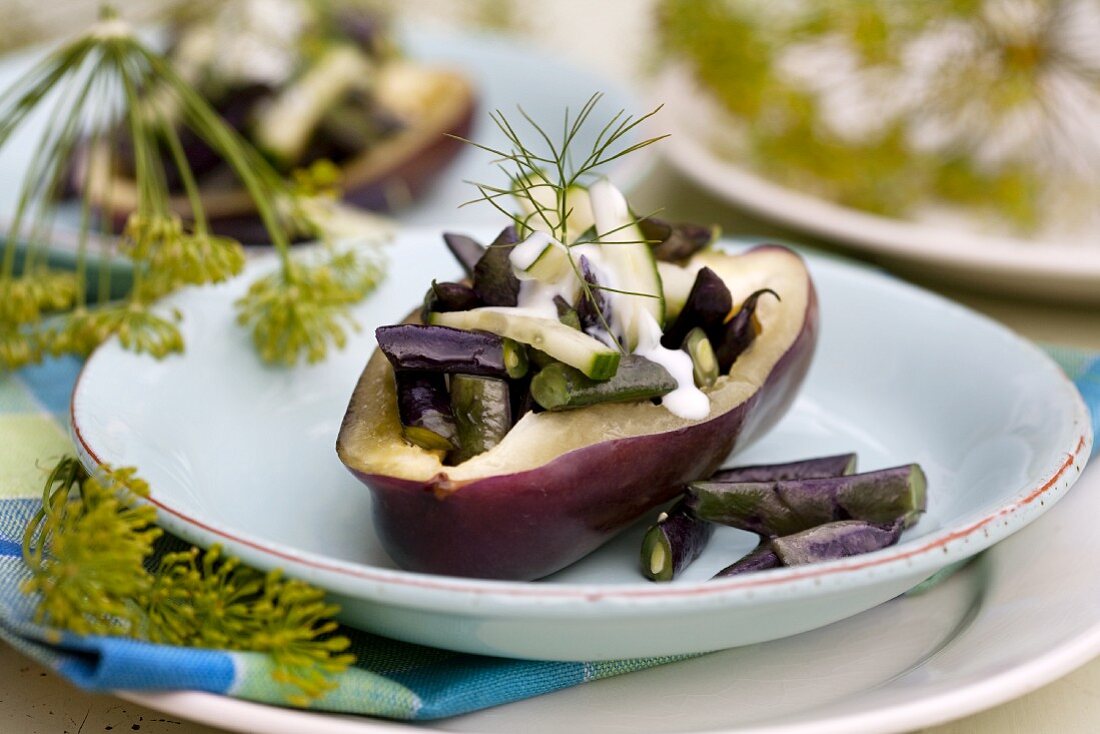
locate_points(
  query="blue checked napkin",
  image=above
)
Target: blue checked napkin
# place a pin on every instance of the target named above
(391, 679)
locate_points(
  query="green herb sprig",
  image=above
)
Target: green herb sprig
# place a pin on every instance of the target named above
(543, 176)
(107, 87)
(89, 551)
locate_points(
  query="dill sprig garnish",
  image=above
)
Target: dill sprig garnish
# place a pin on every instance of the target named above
(552, 170)
(88, 550)
(542, 176)
(103, 91)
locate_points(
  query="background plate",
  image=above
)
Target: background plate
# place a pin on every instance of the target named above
(505, 73)
(1065, 272)
(243, 455)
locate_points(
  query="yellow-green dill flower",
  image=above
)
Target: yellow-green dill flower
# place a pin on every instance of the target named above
(138, 329)
(191, 259)
(19, 347)
(85, 557)
(298, 313)
(89, 548)
(143, 234)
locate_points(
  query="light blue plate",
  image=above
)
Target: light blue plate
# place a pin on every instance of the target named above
(243, 455)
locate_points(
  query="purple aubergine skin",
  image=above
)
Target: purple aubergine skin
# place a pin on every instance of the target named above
(423, 402)
(466, 250)
(422, 348)
(739, 333)
(529, 524)
(819, 468)
(835, 540)
(676, 242)
(446, 296)
(761, 558)
(707, 306)
(416, 173)
(777, 508)
(593, 312)
(495, 282)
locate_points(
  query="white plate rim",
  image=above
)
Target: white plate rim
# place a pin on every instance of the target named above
(872, 233)
(519, 599)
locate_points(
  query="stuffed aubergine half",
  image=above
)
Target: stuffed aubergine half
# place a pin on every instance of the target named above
(576, 415)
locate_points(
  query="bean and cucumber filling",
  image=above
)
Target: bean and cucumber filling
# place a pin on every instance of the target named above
(544, 325)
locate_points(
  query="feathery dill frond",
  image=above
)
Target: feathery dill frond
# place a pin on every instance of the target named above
(541, 176)
(89, 551)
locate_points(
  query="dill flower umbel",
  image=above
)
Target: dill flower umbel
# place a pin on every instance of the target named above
(988, 108)
(106, 90)
(90, 550)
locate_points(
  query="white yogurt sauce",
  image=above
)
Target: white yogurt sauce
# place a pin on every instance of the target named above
(524, 255)
(686, 401)
(536, 298)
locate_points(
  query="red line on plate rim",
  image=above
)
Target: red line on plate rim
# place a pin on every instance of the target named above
(431, 583)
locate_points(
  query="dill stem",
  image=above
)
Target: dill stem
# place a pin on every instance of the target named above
(198, 214)
(40, 157)
(142, 165)
(103, 289)
(86, 201)
(56, 163)
(260, 185)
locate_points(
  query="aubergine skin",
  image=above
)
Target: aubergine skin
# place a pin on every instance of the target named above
(465, 249)
(740, 332)
(494, 281)
(707, 306)
(676, 242)
(442, 349)
(528, 524)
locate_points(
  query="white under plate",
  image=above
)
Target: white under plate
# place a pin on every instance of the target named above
(242, 454)
(1065, 272)
(1021, 615)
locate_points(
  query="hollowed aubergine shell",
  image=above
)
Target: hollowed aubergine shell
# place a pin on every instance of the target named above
(561, 484)
(383, 177)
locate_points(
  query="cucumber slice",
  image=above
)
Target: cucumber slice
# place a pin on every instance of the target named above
(676, 282)
(630, 259)
(578, 208)
(284, 127)
(574, 348)
(540, 257)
